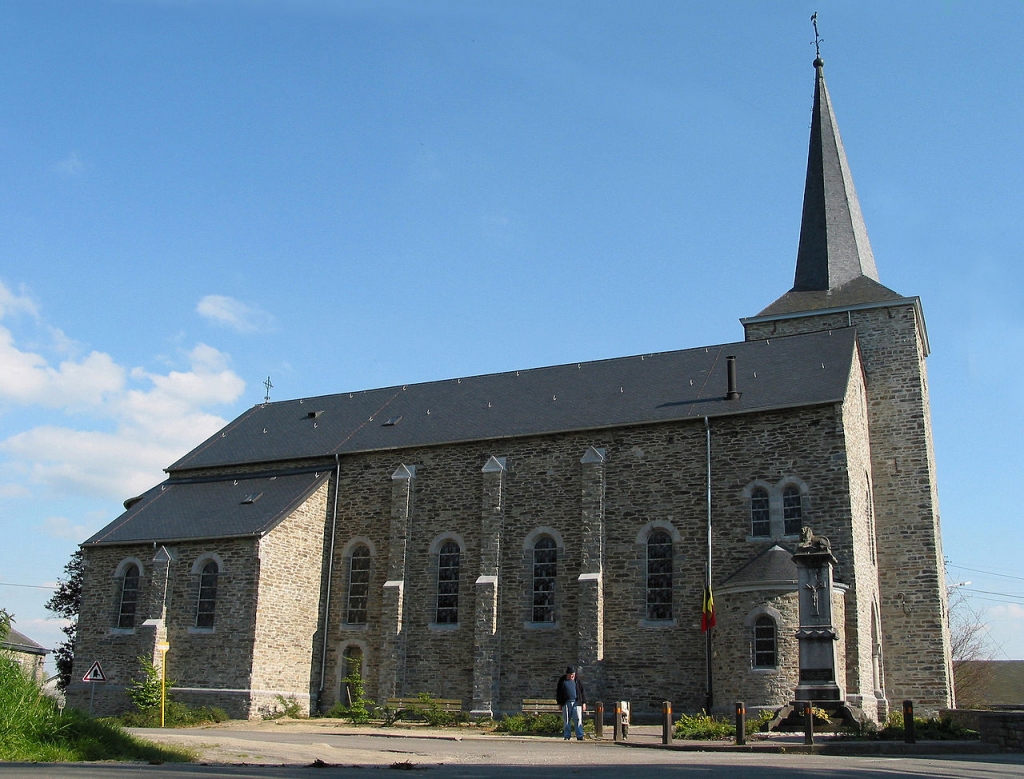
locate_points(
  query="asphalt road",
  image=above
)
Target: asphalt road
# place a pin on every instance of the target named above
(263, 750)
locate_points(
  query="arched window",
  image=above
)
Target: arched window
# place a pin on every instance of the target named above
(765, 645)
(129, 597)
(448, 584)
(760, 519)
(659, 575)
(792, 510)
(207, 604)
(545, 570)
(358, 585)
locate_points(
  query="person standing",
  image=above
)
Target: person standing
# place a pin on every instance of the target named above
(571, 696)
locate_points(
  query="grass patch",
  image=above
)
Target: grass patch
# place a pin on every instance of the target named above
(34, 729)
(176, 715)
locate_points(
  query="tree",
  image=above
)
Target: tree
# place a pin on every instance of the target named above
(970, 647)
(66, 603)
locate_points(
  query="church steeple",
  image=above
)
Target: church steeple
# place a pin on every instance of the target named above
(834, 248)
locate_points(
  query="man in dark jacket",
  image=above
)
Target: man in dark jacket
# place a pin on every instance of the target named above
(571, 696)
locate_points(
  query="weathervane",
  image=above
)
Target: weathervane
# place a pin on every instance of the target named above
(817, 38)
(269, 386)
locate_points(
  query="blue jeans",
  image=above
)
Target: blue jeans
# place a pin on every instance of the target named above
(572, 714)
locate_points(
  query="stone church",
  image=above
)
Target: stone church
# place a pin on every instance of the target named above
(470, 538)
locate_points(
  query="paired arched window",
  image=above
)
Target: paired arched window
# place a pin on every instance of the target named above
(129, 601)
(545, 573)
(792, 510)
(447, 612)
(765, 654)
(206, 606)
(659, 576)
(358, 585)
(760, 515)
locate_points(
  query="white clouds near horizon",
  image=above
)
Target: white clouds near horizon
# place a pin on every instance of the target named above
(121, 425)
(234, 314)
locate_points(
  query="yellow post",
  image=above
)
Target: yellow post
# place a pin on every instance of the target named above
(162, 647)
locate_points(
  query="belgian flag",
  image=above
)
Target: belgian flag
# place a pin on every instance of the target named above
(707, 614)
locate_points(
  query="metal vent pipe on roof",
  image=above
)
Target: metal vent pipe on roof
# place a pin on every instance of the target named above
(731, 393)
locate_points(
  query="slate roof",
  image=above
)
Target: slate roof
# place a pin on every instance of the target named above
(772, 374)
(834, 247)
(19, 642)
(773, 566)
(211, 508)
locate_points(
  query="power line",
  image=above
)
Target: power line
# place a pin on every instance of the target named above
(32, 586)
(989, 573)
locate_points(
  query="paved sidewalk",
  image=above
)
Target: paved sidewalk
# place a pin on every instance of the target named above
(650, 736)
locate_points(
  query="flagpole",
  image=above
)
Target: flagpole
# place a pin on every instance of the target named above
(707, 580)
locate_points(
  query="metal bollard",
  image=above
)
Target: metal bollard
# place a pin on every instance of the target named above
(599, 720)
(808, 724)
(741, 723)
(618, 721)
(666, 722)
(908, 723)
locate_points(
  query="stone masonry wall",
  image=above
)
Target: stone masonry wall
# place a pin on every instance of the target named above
(915, 631)
(654, 477)
(286, 643)
(209, 666)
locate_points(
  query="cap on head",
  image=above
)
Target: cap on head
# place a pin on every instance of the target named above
(570, 670)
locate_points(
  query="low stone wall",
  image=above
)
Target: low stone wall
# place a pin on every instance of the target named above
(1003, 728)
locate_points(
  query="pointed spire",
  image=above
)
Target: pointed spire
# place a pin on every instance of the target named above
(834, 247)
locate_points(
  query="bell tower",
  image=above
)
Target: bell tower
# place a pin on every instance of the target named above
(836, 285)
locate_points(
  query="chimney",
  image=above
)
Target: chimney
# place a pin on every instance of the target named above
(732, 393)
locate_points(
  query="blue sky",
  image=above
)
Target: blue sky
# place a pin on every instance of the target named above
(344, 195)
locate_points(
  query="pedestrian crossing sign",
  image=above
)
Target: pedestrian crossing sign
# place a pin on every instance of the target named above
(95, 674)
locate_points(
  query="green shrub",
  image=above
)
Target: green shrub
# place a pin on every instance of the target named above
(147, 692)
(288, 708)
(930, 729)
(531, 724)
(705, 727)
(359, 712)
(176, 715)
(435, 716)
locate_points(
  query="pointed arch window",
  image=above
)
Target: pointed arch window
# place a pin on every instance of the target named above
(207, 604)
(659, 576)
(358, 585)
(792, 510)
(760, 516)
(765, 643)
(545, 573)
(129, 600)
(447, 612)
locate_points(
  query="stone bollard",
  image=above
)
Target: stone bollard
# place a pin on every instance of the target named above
(908, 722)
(666, 722)
(741, 723)
(618, 721)
(808, 724)
(599, 720)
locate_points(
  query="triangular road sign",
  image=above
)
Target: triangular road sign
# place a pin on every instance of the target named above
(95, 674)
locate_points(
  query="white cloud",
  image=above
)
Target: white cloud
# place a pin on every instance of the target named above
(11, 303)
(235, 315)
(71, 165)
(121, 426)
(62, 527)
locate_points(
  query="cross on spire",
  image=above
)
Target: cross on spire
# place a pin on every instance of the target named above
(269, 386)
(817, 39)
